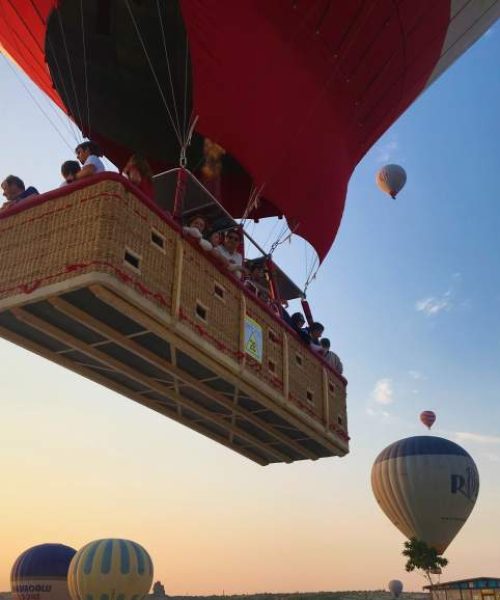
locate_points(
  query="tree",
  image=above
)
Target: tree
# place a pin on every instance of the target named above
(423, 558)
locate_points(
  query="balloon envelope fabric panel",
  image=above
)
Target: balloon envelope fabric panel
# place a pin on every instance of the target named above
(427, 486)
(110, 569)
(40, 573)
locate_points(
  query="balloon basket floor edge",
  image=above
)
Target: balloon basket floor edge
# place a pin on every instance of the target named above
(100, 283)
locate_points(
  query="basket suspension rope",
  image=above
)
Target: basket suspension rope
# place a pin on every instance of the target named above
(65, 123)
(70, 124)
(167, 58)
(186, 127)
(311, 275)
(78, 110)
(85, 73)
(37, 103)
(155, 75)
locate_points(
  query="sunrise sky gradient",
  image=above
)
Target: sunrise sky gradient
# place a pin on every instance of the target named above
(410, 297)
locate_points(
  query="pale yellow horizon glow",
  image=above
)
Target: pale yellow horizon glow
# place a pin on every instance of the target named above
(80, 463)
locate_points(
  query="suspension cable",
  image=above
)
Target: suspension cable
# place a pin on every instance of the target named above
(281, 239)
(36, 101)
(155, 76)
(253, 201)
(311, 276)
(86, 79)
(270, 235)
(73, 129)
(186, 65)
(68, 60)
(174, 99)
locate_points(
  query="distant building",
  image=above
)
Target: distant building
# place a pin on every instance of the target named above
(477, 588)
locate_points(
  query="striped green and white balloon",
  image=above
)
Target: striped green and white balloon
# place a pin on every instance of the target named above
(110, 569)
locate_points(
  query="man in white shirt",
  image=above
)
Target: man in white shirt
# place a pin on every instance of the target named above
(229, 251)
(88, 154)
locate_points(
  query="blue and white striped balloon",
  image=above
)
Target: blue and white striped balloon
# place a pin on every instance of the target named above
(427, 486)
(110, 569)
(40, 573)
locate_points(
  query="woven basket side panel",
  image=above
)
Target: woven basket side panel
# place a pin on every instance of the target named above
(306, 383)
(337, 418)
(200, 291)
(86, 230)
(40, 243)
(130, 231)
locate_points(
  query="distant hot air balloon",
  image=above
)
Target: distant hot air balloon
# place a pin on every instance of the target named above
(41, 572)
(391, 179)
(395, 587)
(427, 486)
(428, 417)
(110, 568)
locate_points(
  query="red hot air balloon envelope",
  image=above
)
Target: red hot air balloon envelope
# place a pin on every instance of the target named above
(295, 92)
(427, 486)
(428, 418)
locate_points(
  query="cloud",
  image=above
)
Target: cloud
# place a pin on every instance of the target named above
(386, 151)
(433, 305)
(380, 413)
(492, 457)
(382, 392)
(477, 438)
(416, 375)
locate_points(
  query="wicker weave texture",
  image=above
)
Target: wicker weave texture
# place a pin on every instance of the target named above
(45, 240)
(210, 301)
(337, 418)
(105, 228)
(306, 378)
(91, 229)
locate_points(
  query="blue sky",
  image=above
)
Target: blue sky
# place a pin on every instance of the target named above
(410, 296)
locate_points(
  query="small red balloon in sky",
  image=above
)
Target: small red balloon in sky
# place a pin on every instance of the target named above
(428, 417)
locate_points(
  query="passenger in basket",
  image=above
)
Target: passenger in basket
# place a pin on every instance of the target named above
(229, 251)
(88, 154)
(140, 174)
(315, 332)
(14, 191)
(297, 322)
(257, 281)
(331, 358)
(69, 171)
(196, 227)
(215, 238)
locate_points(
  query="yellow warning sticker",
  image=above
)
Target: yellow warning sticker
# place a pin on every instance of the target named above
(253, 339)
